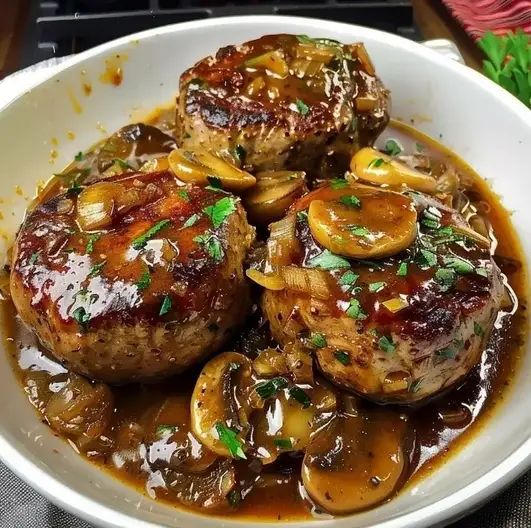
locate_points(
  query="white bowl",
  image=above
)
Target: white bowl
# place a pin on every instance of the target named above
(479, 121)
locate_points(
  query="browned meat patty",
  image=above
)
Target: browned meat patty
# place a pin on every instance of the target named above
(398, 329)
(283, 102)
(133, 277)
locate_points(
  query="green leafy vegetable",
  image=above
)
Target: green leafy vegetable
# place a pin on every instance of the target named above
(392, 148)
(141, 241)
(328, 261)
(376, 287)
(266, 389)
(301, 396)
(231, 441)
(342, 356)
(221, 210)
(302, 107)
(509, 62)
(191, 221)
(211, 244)
(386, 344)
(144, 281)
(355, 310)
(283, 443)
(165, 307)
(318, 340)
(352, 201)
(92, 239)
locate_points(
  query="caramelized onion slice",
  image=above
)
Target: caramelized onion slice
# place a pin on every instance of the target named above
(373, 166)
(363, 222)
(314, 282)
(219, 402)
(269, 281)
(272, 61)
(272, 195)
(198, 165)
(95, 205)
(282, 243)
(357, 461)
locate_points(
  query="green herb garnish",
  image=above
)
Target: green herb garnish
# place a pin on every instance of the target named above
(342, 356)
(328, 261)
(165, 307)
(184, 195)
(230, 439)
(301, 396)
(348, 278)
(427, 258)
(34, 257)
(355, 310)
(92, 239)
(448, 352)
(211, 244)
(141, 241)
(392, 148)
(302, 216)
(240, 153)
(191, 221)
(376, 162)
(144, 281)
(359, 231)
(302, 107)
(483, 272)
(478, 329)
(458, 264)
(318, 340)
(165, 429)
(234, 498)
(338, 183)
(283, 443)
(375, 287)
(402, 269)
(351, 200)
(96, 269)
(266, 389)
(415, 385)
(122, 164)
(82, 317)
(445, 277)
(79, 156)
(386, 344)
(220, 211)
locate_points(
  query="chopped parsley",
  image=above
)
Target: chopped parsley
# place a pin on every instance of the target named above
(458, 264)
(144, 281)
(376, 162)
(338, 183)
(375, 287)
(92, 239)
(79, 156)
(214, 183)
(402, 269)
(212, 245)
(355, 310)
(415, 385)
(342, 356)
(359, 231)
(483, 272)
(445, 277)
(283, 443)
(165, 307)
(96, 269)
(74, 189)
(165, 429)
(427, 258)
(122, 164)
(234, 498)
(191, 221)
(239, 153)
(221, 210)
(82, 317)
(392, 148)
(386, 344)
(184, 195)
(141, 241)
(266, 389)
(318, 340)
(419, 147)
(431, 218)
(302, 107)
(348, 278)
(328, 261)
(301, 396)
(448, 352)
(302, 216)
(34, 257)
(478, 329)
(351, 200)
(230, 439)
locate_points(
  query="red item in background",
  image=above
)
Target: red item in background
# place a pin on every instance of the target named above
(498, 16)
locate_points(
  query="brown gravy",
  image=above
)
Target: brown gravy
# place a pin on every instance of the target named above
(441, 426)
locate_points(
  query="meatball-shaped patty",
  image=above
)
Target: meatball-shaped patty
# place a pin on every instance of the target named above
(283, 102)
(393, 328)
(133, 277)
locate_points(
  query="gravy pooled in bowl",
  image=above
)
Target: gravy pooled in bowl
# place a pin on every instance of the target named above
(268, 329)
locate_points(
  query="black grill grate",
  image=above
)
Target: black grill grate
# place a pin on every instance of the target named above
(61, 27)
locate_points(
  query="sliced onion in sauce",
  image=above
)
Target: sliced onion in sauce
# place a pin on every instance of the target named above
(272, 61)
(313, 282)
(282, 243)
(95, 205)
(269, 281)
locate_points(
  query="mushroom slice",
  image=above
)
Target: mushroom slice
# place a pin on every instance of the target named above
(372, 166)
(205, 490)
(219, 404)
(357, 460)
(200, 167)
(362, 222)
(172, 444)
(272, 195)
(269, 363)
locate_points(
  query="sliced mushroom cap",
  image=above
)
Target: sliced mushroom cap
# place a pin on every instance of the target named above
(172, 444)
(357, 461)
(200, 167)
(219, 404)
(134, 145)
(372, 166)
(208, 489)
(363, 222)
(80, 410)
(273, 194)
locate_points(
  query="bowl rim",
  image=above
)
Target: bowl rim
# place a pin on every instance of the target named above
(438, 513)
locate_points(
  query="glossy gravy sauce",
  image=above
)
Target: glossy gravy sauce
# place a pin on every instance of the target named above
(441, 426)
